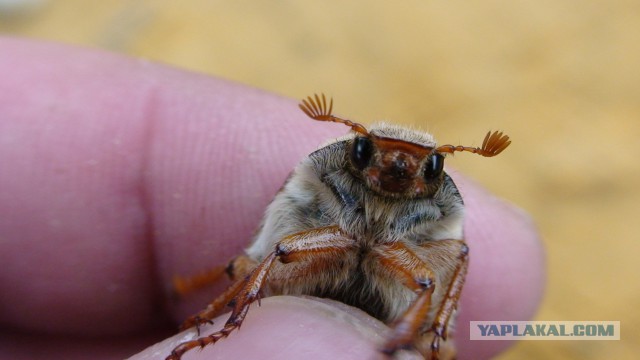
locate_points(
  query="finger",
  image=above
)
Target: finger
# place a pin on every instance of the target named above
(16, 345)
(118, 174)
(286, 327)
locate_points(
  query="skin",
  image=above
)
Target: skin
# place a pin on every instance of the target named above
(118, 174)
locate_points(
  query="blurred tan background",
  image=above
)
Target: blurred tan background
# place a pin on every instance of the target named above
(561, 77)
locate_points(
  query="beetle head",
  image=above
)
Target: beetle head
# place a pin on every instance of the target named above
(394, 167)
(391, 165)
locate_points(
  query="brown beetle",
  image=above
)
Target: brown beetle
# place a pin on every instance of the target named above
(370, 219)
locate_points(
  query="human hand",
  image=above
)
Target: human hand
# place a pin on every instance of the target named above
(118, 174)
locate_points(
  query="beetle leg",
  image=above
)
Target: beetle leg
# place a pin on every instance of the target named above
(450, 301)
(237, 268)
(205, 316)
(413, 270)
(185, 285)
(402, 263)
(312, 245)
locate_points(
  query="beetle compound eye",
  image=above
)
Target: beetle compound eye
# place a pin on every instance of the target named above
(434, 167)
(361, 152)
